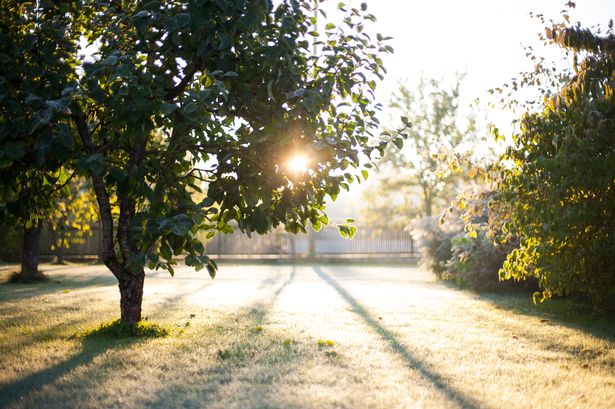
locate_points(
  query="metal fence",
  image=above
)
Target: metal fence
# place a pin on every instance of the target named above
(368, 242)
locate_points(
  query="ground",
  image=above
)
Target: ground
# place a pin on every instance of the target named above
(305, 336)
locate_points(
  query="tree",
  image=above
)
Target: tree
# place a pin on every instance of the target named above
(557, 179)
(36, 56)
(426, 166)
(205, 91)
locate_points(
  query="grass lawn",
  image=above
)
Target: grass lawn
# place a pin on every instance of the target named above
(278, 336)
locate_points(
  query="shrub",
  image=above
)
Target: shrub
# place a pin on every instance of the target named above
(475, 261)
(559, 182)
(468, 244)
(479, 251)
(435, 242)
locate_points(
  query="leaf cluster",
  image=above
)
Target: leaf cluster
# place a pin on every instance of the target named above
(559, 181)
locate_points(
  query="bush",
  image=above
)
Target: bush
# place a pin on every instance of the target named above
(467, 245)
(435, 243)
(475, 261)
(559, 182)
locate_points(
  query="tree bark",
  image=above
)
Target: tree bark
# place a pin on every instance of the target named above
(427, 200)
(131, 297)
(30, 252)
(58, 237)
(130, 283)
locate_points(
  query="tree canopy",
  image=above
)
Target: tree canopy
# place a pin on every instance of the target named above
(156, 100)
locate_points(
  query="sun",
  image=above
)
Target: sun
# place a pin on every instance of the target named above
(298, 163)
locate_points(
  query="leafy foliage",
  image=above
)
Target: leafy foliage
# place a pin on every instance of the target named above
(179, 98)
(37, 55)
(467, 245)
(72, 215)
(558, 180)
(479, 251)
(12, 237)
(435, 239)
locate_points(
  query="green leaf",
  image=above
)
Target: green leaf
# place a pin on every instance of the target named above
(170, 24)
(111, 60)
(179, 225)
(166, 108)
(14, 150)
(183, 19)
(211, 269)
(399, 143)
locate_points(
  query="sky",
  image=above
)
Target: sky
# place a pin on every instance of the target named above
(483, 38)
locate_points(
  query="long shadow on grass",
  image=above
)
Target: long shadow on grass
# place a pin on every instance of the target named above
(572, 313)
(246, 342)
(411, 361)
(56, 284)
(92, 346)
(568, 313)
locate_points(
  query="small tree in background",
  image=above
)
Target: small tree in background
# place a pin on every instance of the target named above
(423, 177)
(37, 50)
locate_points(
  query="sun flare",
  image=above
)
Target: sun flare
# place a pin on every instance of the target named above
(298, 163)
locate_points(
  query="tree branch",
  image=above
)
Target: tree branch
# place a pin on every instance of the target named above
(102, 196)
(181, 86)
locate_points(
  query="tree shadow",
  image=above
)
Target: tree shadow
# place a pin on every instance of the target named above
(57, 282)
(252, 345)
(563, 313)
(91, 347)
(569, 313)
(411, 361)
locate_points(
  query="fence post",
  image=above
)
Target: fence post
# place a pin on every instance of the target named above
(311, 244)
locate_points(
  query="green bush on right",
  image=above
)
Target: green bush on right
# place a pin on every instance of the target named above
(558, 181)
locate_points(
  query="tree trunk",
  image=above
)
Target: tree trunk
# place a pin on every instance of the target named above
(130, 284)
(131, 296)
(427, 200)
(60, 255)
(30, 252)
(59, 238)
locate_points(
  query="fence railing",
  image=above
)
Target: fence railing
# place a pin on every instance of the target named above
(368, 242)
(88, 247)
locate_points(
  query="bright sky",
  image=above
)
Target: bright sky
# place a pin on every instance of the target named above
(484, 38)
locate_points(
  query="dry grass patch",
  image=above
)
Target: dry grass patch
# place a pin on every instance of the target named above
(274, 336)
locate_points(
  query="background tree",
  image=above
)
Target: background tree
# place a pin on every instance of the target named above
(205, 91)
(422, 178)
(37, 57)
